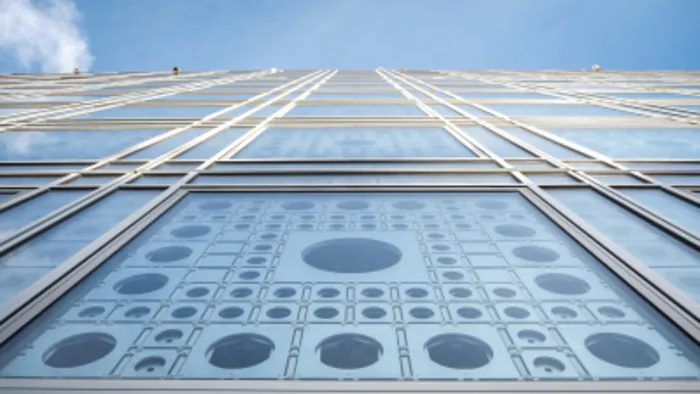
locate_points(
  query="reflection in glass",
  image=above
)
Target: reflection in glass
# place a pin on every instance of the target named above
(352, 286)
(354, 142)
(212, 145)
(378, 110)
(21, 215)
(30, 261)
(679, 211)
(670, 258)
(167, 145)
(557, 110)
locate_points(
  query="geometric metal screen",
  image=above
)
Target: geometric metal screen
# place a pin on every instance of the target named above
(517, 230)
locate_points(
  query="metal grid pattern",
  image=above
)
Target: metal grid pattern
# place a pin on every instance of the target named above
(624, 138)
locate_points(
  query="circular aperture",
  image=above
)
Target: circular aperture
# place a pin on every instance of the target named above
(197, 292)
(79, 350)
(408, 205)
(373, 312)
(372, 292)
(504, 292)
(516, 312)
(548, 364)
(192, 231)
(92, 311)
(460, 292)
(446, 260)
(622, 350)
(184, 312)
(515, 230)
(328, 292)
(468, 312)
(137, 312)
(150, 364)
(564, 312)
(353, 205)
(610, 312)
(256, 260)
(459, 351)
(453, 275)
(531, 336)
(285, 292)
(241, 292)
(562, 284)
(140, 284)
(417, 292)
(249, 275)
(491, 204)
(298, 205)
(349, 351)
(231, 312)
(240, 351)
(168, 254)
(351, 255)
(278, 312)
(169, 336)
(215, 206)
(537, 254)
(421, 312)
(326, 313)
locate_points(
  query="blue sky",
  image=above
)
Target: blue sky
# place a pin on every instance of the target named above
(140, 35)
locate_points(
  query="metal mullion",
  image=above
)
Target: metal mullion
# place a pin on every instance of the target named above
(246, 139)
(128, 99)
(477, 149)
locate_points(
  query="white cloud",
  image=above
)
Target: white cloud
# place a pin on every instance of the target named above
(44, 34)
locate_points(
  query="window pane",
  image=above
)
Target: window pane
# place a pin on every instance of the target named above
(27, 263)
(213, 145)
(683, 213)
(557, 110)
(26, 181)
(167, 145)
(670, 258)
(354, 142)
(355, 166)
(34, 209)
(678, 179)
(67, 145)
(355, 110)
(410, 179)
(152, 112)
(357, 96)
(495, 143)
(637, 143)
(352, 286)
(549, 147)
(93, 180)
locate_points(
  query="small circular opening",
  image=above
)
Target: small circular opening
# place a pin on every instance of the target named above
(417, 292)
(491, 204)
(278, 312)
(349, 351)
(256, 260)
(532, 336)
(249, 275)
(610, 312)
(92, 311)
(353, 205)
(169, 336)
(168, 254)
(197, 292)
(408, 205)
(351, 255)
(137, 312)
(240, 351)
(215, 206)
(285, 292)
(548, 364)
(231, 312)
(326, 313)
(421, 313)
(469, 312)
(373, 312)
(459, 351)
(622, 350)
(504, 292)
(516, 312)
(447, 260)
(150, 364)
(79, 350)
(193, 231)
(564, 312)
(372, 292)
(453, 275)
(328, 292)
(241, 292)
(460, 292)
(537, 254)
(515, 231)
(184, 312)
(140, 284)
(562, 284)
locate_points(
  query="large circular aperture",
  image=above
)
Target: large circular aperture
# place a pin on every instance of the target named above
(351, 255)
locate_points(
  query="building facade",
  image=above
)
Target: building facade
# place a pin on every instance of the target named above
(384, 229)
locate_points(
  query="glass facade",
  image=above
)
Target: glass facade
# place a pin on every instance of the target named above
(496, 227)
